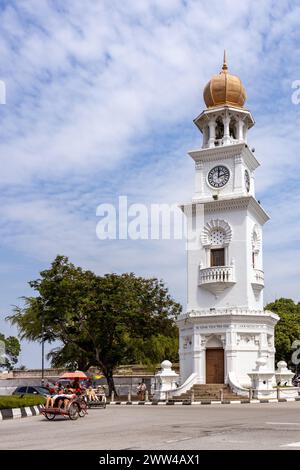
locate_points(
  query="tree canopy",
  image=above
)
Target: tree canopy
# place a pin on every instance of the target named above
(287, 329)
(9, 351)
(100, 320)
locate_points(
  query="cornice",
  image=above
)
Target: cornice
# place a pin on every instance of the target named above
(206, 114)
(231, 313)
(224, 152)
(217, 152)
(229, 203)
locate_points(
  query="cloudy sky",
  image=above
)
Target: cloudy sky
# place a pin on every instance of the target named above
(100, 101)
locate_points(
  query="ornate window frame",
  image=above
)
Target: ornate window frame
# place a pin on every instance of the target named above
(256, 239)
(209, 227)
(212, 225)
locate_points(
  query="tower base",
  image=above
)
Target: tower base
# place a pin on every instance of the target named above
(218, 344)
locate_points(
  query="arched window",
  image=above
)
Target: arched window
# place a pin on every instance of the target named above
(256, 241)
(216, 237)
(232, 128)
(219, 128)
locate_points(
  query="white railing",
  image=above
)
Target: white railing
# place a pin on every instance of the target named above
(258, 277)
(187, 385)
(216, 274)
(220, 142)
(235, 386)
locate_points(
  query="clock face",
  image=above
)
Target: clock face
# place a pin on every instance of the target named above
(218, 176)
(247, 180)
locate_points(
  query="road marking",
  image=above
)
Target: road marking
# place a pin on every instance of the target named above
(178, 440)
(283, 424)
(16, 412)
(28, 411)
(292, 444)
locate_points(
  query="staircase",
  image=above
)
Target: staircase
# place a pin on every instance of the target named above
(208, 392)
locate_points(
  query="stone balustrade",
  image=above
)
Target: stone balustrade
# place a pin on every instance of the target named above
(216, 274)
(258, 277)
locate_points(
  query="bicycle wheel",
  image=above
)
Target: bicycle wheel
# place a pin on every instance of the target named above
(73, 411)
(82, 408)
(50, 416)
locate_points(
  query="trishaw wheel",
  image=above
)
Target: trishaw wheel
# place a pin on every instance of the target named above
(73, 411)
(82, 409)
(50, 416)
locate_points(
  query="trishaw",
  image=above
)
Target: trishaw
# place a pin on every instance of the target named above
(76, 408)
(100, 401)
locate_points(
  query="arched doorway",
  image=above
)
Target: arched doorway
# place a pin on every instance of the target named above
(214, 361)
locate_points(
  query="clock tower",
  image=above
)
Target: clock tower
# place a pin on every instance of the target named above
(225, 328)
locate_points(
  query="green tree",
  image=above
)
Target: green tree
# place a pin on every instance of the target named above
(70, 357)
(101, 318)
(9, 352)
(287, 329)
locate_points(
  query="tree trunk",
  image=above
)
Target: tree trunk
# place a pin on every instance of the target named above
(108, 374)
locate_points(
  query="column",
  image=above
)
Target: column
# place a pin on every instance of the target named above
(205, 137)
(226, 138)
(252, 185)
(230, 351)
(238, 173)
(212, 133)
(201, 361)
(240, 135)
(198, 179)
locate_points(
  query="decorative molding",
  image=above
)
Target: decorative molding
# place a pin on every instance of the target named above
(256, 239)
(187, 342)
(247, 339)
(199, 165)
(240, 202)
(211, 226)
(233, 314)
(224, 152)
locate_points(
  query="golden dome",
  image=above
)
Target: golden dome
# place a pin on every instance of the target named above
(224, 89)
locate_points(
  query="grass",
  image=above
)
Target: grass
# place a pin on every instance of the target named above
(16, 401)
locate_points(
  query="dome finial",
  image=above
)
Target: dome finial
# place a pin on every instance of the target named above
(225, 66)
(224, 89)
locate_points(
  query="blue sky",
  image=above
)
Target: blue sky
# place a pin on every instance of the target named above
(100, 101)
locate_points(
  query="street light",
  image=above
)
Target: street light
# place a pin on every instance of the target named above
(43, 346)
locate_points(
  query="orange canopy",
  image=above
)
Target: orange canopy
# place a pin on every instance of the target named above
(74, 375)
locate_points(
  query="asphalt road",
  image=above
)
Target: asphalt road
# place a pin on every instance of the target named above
(254, 426)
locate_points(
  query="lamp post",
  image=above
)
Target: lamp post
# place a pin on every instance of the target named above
(43, 347)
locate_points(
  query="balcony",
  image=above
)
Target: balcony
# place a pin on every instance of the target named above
(221, 142)
(217, 279)
(258, 280)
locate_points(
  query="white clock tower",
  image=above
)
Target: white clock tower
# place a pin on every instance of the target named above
(225, 328)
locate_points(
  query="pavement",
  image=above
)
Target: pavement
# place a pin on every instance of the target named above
(261, 426)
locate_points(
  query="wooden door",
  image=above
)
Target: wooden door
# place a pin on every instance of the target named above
(214, 366)
(217, 257)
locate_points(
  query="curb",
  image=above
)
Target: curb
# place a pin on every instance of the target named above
(23, 412)
(203, 402)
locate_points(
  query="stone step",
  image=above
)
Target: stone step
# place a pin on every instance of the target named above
(205, 386)
(209, 392)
